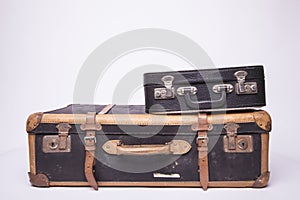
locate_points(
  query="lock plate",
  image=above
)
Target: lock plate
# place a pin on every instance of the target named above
(168, 91)
(51, 144)
(243, 143)
(243, 87)
(161, 93)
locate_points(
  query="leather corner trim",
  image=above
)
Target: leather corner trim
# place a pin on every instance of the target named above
(262, 181)
(33, 121)
(38, 180)
(263, 120)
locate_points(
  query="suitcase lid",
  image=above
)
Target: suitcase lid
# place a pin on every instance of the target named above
(204, 75)
(257, 121)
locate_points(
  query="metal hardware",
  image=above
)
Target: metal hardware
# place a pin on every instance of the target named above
(58, 143)
(243, 87)
(234, 143)
(184, 90)
(195, 127)
(220, 87)
(160, 175)
(244, 144)
(63, 132)
(51, 144)
(168, 91)
(175, 147)
(203, 139)
(231, 129)
(90, 139)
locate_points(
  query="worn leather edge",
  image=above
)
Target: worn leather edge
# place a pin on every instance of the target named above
(33, 121)
(31, 141)
(148, 119)
(264, 152)
(262, 180)
(263, 120)
(228, 184)
(39, 180)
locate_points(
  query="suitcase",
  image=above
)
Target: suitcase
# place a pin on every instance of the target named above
(94, 145)
(205, 90)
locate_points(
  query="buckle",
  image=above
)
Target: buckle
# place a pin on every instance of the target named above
(202, 139)
(90, 138)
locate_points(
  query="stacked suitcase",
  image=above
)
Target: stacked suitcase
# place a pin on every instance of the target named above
(198, 129)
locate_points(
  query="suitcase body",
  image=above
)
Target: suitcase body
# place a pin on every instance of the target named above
(205, 90)
(133, 148)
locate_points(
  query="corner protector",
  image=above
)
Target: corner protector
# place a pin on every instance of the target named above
(262, 180)
(38, 180)
(263, 120)
(33, 121)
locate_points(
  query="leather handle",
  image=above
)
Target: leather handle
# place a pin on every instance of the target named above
(175, 147)
(216, 103)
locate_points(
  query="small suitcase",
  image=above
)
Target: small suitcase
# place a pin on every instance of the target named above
(204, 90)
(82, 145)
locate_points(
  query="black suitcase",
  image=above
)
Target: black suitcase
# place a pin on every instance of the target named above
(205, 90)
(132, 148)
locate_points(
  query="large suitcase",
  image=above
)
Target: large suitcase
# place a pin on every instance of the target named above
(82, 145)
(229, 88)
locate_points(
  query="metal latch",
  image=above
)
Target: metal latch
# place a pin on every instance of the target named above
(220, 87)
(60, 142)
(168, 91)
(234, 143)
(189, 89)
(243, 87)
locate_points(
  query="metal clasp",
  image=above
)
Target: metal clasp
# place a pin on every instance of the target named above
(58, 143)
(189, 89)
(234, 143)
(168, 91)
(220, 87)
(243, 87)
(231, 129)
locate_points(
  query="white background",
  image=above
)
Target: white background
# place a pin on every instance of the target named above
(44, 43)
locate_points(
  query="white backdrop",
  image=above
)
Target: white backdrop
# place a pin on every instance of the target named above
(43, 44)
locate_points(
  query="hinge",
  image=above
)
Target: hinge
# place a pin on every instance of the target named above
(243, 87)
(168, 91)
(234, 143)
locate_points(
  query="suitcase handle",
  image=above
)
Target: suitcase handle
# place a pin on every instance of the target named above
(175, 147)
(216, 103)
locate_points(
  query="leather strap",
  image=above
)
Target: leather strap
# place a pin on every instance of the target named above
(90, 140)
(202, 142)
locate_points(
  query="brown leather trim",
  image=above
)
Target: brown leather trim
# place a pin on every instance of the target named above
(262, 181)
(148, 119)
(228, 184)
(90, 139)
(106, 109)
(39, 180)
(264, 152)
(263, 120)
(31, 141)
(202, 141)
(33, 121)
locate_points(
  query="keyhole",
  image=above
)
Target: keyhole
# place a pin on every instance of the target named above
(53, 144)
(243, 144)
